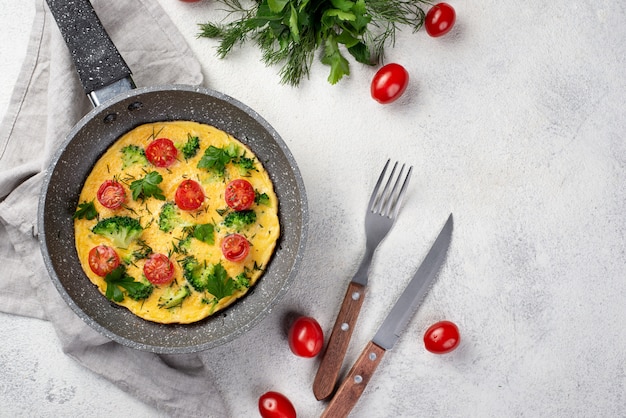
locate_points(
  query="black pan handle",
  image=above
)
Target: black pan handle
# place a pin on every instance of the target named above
(97, 60)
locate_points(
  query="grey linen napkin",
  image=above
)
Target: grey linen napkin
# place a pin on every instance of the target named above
(47, 101)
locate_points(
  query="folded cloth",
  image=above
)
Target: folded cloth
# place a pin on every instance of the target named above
(47, 101)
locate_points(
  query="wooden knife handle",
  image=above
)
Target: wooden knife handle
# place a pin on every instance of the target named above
(337, 345)
(353, 386)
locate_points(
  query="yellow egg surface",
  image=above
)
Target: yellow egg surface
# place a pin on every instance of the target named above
(204, 280)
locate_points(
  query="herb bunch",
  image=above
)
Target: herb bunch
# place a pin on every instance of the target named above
(290, 32)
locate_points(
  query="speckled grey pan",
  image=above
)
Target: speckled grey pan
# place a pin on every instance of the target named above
(86, 143)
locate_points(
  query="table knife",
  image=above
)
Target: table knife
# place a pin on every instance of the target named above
(359, 376)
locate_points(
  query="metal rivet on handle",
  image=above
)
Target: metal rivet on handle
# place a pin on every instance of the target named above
(356, 296)
(345, 326)
(358, 379)
(372, 356)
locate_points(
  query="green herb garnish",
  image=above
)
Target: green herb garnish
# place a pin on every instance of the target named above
(118, 279)
(147, 187)
(290, 32)
(86, 210)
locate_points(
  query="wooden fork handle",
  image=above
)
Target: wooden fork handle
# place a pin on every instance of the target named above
(332, 359)
(353, 386)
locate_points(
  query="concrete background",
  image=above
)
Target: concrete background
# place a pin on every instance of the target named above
(514, 122)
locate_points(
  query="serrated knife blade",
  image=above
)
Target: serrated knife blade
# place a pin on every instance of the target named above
(396, 321)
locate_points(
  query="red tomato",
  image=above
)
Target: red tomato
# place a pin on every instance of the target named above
(439, 19)
(159, 269)
(235, 247)
(189, 195)
(239, 194)
(389, 83)
(442, 337)
(111, 194)
(276, 405)
(103, 260)
(306, 337)
(161, 152)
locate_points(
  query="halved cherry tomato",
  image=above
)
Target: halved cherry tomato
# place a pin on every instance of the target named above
(158, 269)
(111, 194)
(442, 337)
(389, 83)
(306, 337)
(103, 260)
(439, 19)
(161, 152)
(276, 405)
(239, 194)
(189, 195)
(235, 247)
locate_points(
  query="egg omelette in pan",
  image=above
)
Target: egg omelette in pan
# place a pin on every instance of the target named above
(176, 221)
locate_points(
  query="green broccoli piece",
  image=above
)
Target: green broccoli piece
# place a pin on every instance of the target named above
(191, 147)
(133, 154)
(122, 230)
(239, 220)
(195, 273)
(245, 165)
(139, 290)
(170, 218)
(242, 281)
(171, 299)
(182, 245)
(261, 198)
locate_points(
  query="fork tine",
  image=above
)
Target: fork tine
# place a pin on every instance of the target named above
(387, 202)
(393, 210)
(390, 195)
(374, 199)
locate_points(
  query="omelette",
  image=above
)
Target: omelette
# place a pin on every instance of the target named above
(176, 221)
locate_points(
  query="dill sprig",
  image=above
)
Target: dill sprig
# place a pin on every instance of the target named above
(290, 32)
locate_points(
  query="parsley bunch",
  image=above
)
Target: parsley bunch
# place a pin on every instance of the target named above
(289, 32)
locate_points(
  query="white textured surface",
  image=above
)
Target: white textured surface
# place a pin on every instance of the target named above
(515, 123)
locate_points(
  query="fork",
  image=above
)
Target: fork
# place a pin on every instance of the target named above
(382, 211)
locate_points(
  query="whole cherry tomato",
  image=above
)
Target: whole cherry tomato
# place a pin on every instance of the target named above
(276, 405)
(159, 269)
(306, 337)
(439, 19)
(111, 194)
(239, 194)
(189, 195)
(161, 152)
(442, 337)
(235, 247)
(389, 83)
(103, 260)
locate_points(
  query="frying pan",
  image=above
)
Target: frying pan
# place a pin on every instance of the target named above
(118, 108)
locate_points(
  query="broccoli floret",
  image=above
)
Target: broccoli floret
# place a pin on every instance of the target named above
(239, 220)
(182, 245)
(261, 198)
(170, 218)
(195, 273)
(171, 299)
(242, 281)
(139, 290)
(122, 230)
(191, 147)
(133, 154)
